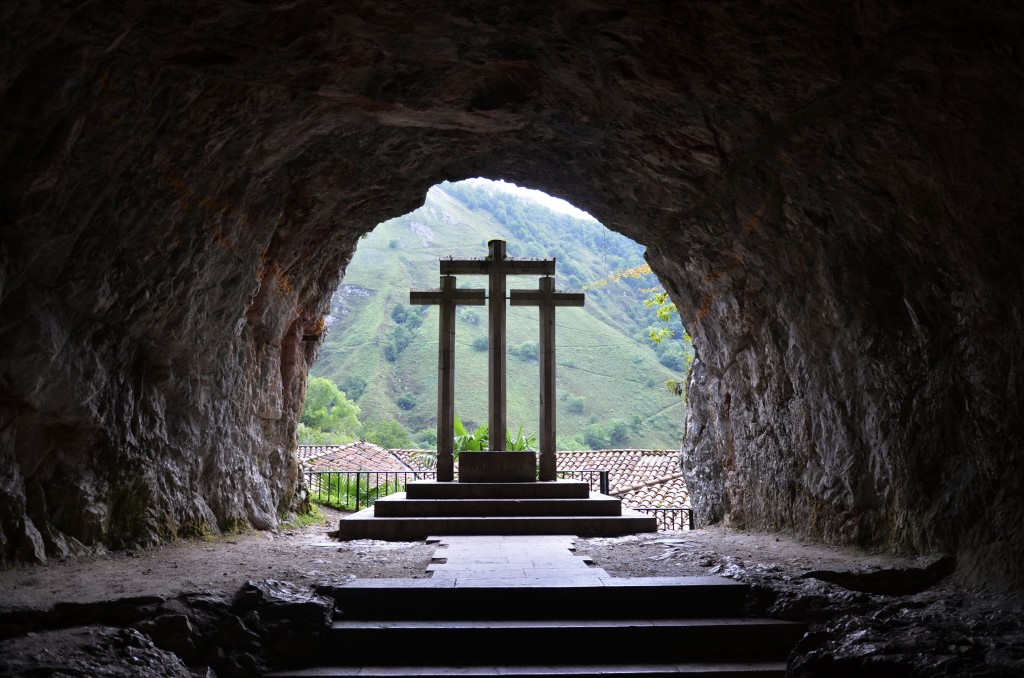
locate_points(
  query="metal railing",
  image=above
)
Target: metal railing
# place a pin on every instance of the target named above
(670, 519)
(598, 478)
(355, 490)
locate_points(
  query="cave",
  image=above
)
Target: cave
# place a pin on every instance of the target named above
(831, 195)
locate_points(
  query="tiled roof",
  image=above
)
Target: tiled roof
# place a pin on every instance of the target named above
(649, 478)
(641, 478)
(357, 456)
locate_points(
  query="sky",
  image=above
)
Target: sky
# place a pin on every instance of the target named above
(551, 202)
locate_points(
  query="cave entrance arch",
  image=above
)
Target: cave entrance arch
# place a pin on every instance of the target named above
(378, 349)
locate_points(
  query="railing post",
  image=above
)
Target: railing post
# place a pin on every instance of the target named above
(358, 473)
(604, 481)
(689, 514)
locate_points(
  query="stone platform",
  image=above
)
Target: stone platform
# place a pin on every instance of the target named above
(540, 508)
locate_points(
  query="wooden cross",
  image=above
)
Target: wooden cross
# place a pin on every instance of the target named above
(547, 299)
(496, 266)
(448, 297)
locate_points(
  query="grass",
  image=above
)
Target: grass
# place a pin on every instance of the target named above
(301, 520)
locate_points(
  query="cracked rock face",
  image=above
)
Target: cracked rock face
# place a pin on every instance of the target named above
(832, 198)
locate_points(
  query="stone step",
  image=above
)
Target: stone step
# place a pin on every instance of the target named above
(648, 670)
(365, 525)
(578, 597)
(558, 489)
(399, 506)
(555, 641)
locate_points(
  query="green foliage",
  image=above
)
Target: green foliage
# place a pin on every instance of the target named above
(399, 313)
(520, 442)
(406, 402)
(328, 411)
(414, 318)
(618, 431)
(396, 342)
(427, 438)
(480, 344)
(387, 433)
(595, 437)
(468, 442)
(468, 315)
(353, 386)
(300, 520)
(308, 435)
(574, 442)
(526, 350)
(393, 244)
(574, 404)
(343, 491)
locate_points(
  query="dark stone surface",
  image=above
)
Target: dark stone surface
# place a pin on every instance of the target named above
(89, 651)
(831, 195)
(892, 581)
(267, 624)
(943, 628)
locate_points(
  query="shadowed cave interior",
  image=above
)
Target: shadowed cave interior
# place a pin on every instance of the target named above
(830, 195)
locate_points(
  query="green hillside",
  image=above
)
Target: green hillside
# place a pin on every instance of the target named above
(383, 352)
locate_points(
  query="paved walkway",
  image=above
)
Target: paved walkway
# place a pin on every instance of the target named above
(511, 559)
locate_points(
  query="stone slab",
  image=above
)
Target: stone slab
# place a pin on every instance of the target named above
(558, 489)
(398, 505)
(498, 467)
(364, 525)
(649, 670)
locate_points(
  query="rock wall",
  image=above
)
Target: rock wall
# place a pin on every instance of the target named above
(831, 196)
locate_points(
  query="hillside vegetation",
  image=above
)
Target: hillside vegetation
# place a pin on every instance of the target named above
(382, 352)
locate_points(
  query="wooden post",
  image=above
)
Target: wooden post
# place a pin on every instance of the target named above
(547, 299)
(448, 297)
(497, 337)
(497, 267)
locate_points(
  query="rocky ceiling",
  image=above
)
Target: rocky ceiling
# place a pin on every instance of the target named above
(832, 196)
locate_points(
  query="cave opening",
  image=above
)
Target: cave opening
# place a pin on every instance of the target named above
(378, 350)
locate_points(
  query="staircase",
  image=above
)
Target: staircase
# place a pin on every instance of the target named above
(478, 617)
(532, 508)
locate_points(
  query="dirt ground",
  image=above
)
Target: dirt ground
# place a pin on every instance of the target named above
(306, 555)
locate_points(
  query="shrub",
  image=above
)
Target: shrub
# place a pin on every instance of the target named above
(595, 437)
(618, 431)
(574, 404)
(388, 433)
(526, 350)
(480, 344)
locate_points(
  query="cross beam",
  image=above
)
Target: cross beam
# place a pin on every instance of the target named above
(448, 297)
(497, 266)
(547, 299)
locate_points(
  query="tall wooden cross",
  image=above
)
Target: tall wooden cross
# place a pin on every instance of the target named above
(547, 299)
(448, 297)
(496, 266)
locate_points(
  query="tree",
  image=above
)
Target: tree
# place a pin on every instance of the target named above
(526, 350)
(353, 386)
(618, 431)
(679, 355)
(574, 403)
(399, 313)
(328, 410)
(480, 344)
(595, 437)
(386, 433)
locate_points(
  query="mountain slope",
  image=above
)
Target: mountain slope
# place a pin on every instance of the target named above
(610, 382)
